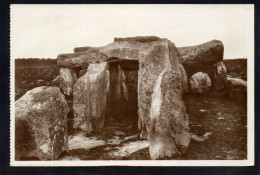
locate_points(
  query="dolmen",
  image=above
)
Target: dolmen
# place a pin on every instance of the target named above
(96, 80)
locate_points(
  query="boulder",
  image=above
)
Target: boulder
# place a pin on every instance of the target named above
(168, 134)
(89, 98)
(237, 89)
(210, 52)
(41, 124)
(67, 79)
(220, 75)
(184, 79)
(200, 83)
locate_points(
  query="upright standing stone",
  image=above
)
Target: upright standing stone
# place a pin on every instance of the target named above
(67, 79)
(90, 98)
(41, 123)
(184, 79)
(168, 134)
(220, 75)
(151, 66)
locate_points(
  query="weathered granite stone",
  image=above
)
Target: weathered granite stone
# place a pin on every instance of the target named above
(142, 39)
(220, 75)
(79, 59)
(151, 65)
(211, 51)
(89, 99)
(200, 83)
(41, 124)
(237, 88)
(131, 84)
(184, 79)
(67, 79)
(168, 134)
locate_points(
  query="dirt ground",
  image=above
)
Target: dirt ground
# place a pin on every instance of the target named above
(218, 126)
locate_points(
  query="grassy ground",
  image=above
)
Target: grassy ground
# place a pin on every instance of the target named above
(212, 113)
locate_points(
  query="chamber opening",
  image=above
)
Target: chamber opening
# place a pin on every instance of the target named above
(122, 103)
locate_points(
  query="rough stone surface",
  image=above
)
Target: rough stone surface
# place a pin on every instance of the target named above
(184, 79)
(168, 134)
(200, 83)
(89, 99)
(211, 51)
(67, 79)
(237, 88)
(220, 75)
(142, 39)
(131, 84)
(153, 63)
(41, 124)
(78, 59)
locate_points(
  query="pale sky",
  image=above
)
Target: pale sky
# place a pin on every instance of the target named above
(44, 31)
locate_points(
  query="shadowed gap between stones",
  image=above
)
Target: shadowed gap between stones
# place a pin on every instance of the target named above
(119, 110)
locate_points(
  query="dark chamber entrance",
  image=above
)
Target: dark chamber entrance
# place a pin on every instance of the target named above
(122, 101)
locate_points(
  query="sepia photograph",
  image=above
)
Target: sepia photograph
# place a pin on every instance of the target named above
(132, 85)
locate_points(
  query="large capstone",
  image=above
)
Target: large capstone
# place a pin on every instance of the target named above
(220, 75)
(200, 83)
(90, 98)
(168, 134)
(67, 80)
(201, 58)
(73, 60)
(209, 52)
(41, 124)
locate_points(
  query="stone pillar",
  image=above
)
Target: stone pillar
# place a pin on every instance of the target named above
(184, 79)
(220, 75)
(162, 55)
(168, 134)
(67, 79)
(90, 98)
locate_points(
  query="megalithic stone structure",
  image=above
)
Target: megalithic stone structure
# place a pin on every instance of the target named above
(153, 55)
(201, 58)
